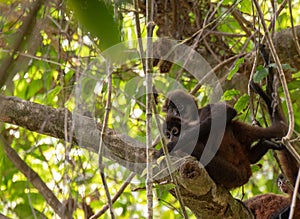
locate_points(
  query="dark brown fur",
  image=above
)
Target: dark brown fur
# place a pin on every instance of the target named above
(230, 166)
(271, 206)
(267, 205)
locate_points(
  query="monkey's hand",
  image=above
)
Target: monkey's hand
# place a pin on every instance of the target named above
(170, 147)
(273, 145)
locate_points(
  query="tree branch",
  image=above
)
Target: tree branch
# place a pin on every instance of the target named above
(204, 197)
(198, 191)
(49, 121)
(24, 30)
(36, 180)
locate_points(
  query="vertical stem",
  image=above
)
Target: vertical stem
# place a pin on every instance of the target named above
(295, 193)
(149, 52)
(115, 198)
(139, 34)
(100, 152)
(280, 70)
(170, 167)
(146, 67)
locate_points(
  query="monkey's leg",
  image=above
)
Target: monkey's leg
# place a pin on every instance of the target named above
(226, 174)
(261, 148)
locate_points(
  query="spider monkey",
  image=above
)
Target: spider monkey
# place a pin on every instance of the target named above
(273, 206)
(230, 166)
(263, 206)
(284, 185)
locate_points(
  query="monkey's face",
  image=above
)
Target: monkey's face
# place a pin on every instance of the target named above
(282, 184)
(172, 127)
(172, 134)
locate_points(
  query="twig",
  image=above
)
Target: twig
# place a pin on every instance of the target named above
(217, 67)
(214, 22)
(24, 30)
(249, 89)
(116, 196)
(197, 40)
(149, 97)
(214, 32)
(141, 50)
(100, 152)
(295, 193)
(241, 21)
(174, 17)
(3, 216)
(170, 168)
(281, 73)
(282, 6)
(147, 67)
(35, 179)
(139, 34)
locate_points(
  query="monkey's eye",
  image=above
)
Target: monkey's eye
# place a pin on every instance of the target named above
(175, 131)
(168, 135)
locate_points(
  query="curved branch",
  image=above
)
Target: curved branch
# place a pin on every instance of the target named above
(36, 180)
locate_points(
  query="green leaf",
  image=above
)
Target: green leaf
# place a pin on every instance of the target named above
(293, 85)
(25, 211)
(284, 67)
(168, 186)
(256, 168)
(235, 68)
(288, 67)
(98, 18)
(229, 94)
(260, 74)
(53, 93)
(131, 88)
(242, 103)
(246, 6)
(296, 75)
(228, 2)
(34, 87)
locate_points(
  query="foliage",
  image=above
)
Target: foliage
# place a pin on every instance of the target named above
(59, 52)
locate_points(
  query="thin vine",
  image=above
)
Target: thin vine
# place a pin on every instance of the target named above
(149, 97)
(100, 151)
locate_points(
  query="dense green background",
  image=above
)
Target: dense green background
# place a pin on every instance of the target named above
(69, 37)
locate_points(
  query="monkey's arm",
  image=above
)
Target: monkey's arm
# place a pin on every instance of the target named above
(258, 150)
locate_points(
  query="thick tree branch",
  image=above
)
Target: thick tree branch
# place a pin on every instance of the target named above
(198, 191)
(49, 121)
(204, 197)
